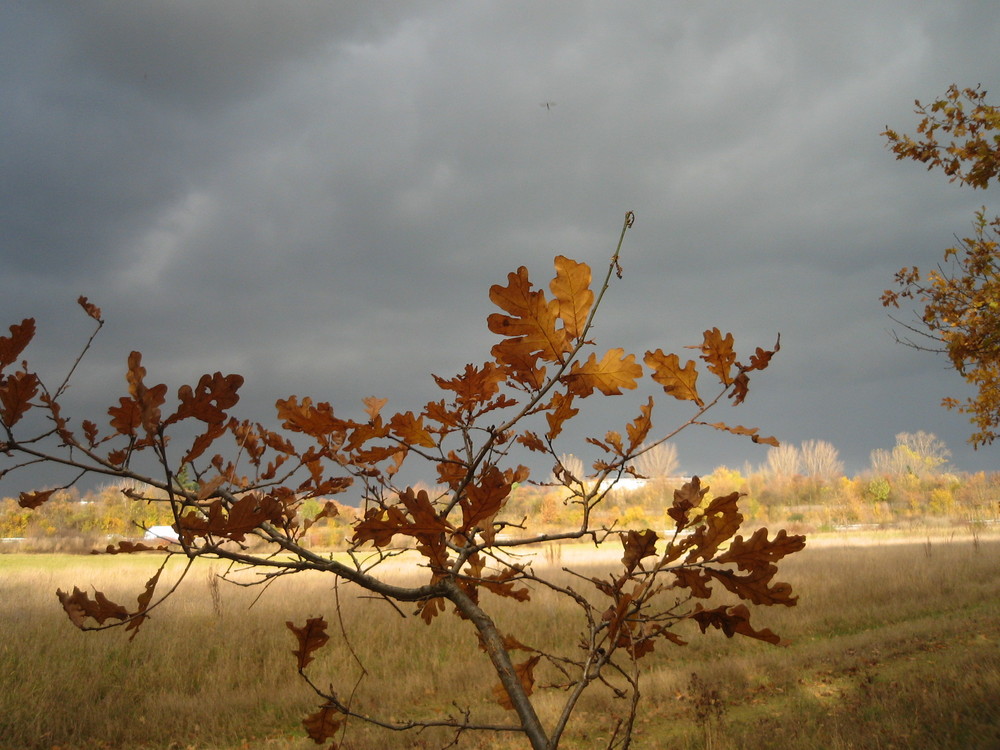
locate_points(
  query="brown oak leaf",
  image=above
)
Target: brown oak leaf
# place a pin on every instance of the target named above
(323, 724)
(79, 606)
(638, 545)
(679, 382)
(571, 288)
(12, 346)
(310, 637)
(615, 371)
(525, 674)
(731, 621)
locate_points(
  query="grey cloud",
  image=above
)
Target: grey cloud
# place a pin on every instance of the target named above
(319, 194)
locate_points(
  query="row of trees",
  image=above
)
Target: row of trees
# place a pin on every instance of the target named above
(911, 482)
(919, 453)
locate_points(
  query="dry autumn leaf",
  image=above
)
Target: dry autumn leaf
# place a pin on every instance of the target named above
(126, 417)
(209, 400)
(323, 724)
(687, 497)
(34, 499)
(79, 606)
(758, 550)
(561, 410)
(317, 421)
(147, 399)
(530, 327)
(484, 498)
(717, 351)
(679, 382)
(410, 430)
(615, 371)
(719, 522)
(751, 432)
(526, 675)
(638, 545)
(639, 428)
(16, 392)
(127, 548)
(571, 289)
(373, 405)
(90, 308)
(138, 617)
(731, 621)
(310, 637)
(12, 346)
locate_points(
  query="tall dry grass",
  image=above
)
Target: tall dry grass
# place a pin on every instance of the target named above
(892, 646)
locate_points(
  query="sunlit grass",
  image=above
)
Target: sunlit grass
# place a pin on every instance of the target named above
(891, 645)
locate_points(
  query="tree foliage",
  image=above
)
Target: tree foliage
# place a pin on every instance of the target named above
(784, 461)
(920, 454)
(659, 462)
(821, 460)
(237, 491)
(961, 296)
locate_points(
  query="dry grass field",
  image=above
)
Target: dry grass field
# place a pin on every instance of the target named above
(895, 644)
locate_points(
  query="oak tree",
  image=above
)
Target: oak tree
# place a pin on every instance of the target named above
(237, 491)
(960, 134)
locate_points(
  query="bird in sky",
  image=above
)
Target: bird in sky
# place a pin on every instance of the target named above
(547, 105)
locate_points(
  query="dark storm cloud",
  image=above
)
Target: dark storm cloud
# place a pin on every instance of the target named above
(318, 195)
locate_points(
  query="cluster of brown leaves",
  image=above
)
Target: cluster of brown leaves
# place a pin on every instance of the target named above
(703, 548)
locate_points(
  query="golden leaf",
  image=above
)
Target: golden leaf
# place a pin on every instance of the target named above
(718, 352)
(614, 372)
(410, 430)
(562, 410)
(531, 325)
(374, 405)
(750, 432)
(679, 382)
(571, 288)
(639, 428)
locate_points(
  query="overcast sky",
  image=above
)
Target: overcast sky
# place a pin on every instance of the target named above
(318, 195)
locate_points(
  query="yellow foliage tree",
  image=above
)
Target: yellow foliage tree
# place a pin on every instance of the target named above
(960, 297)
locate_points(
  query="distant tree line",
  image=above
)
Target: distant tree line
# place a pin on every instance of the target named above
(910, 483)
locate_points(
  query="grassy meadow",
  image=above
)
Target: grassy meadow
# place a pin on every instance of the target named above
(895, 643)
